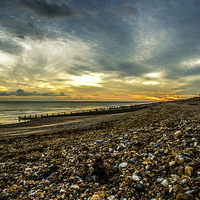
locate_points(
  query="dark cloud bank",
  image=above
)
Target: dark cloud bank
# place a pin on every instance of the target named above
(21, 92)
(48, 8)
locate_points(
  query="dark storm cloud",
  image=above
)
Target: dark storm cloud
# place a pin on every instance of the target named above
(192, 71)
(30, 25)
(21, 92)
(20, 27)
(125, 69)
(178, 73)
(48, 8)
(21, 37)
(10, 47)
(190, 87)
(133, 69)
(79, 70)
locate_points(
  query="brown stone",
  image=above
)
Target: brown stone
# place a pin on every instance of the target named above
(95, 197)
(172, 163)
(180, 171)
(123, 184)
(83, 185)
(188, 171)
(106, 165)
(166, 151)
(178, 134)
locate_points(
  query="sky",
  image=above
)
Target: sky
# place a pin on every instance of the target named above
(99, 49)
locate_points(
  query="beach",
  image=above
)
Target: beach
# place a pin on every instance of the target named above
(152, 153)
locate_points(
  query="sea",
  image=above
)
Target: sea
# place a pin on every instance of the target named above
(11, 110)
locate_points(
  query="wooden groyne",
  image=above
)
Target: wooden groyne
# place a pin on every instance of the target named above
(99, 111)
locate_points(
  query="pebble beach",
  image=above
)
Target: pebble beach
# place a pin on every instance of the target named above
(150, 154)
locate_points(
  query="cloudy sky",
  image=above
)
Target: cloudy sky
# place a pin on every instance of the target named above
(99, 49)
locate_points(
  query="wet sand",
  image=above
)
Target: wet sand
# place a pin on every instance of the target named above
(54, 124)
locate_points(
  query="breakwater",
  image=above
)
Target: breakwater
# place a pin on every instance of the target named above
(99, 111)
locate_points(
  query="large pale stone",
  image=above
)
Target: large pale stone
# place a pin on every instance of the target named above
(165, 182)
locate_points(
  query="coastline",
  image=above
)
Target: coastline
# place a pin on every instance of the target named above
(11, 111)
(147, 154)
(58, 123)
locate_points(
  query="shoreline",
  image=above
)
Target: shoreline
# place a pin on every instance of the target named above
(153, 153)
(56, 123)
(58, 112)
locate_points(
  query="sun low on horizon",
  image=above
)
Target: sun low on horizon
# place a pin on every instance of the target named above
(99, 50)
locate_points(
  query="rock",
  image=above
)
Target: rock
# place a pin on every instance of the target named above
(165, 183)
(83, 185)
(138, 143)
(179, 196)
(123, 165)
(179, 159)
(85, 148)
(123, 184)
(100, 141)
(110, 149)
(166, 151)
(160, 179)
(195, 144)
(135, 177)
(132, 160)
(188, 171)
(112, 197)
(195, 191)
(121, 147)
(106, 165)
(183, 181)
(187, 159)
(80, 158)
(139, 186)
(89, 178)
(180, 171)
(95, 197)
(172, 163)
(178, 134)
(75, 187)
(186, 154)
